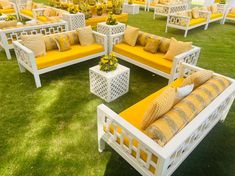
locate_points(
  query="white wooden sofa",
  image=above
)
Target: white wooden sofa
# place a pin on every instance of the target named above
(167, 9)
(171, 73)
(10, 11)
(8, 35)
(54, 59)
(185, 23)
(219, 16)
(229, 16)
(161, 161)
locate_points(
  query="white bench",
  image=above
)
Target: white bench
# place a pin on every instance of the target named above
(177, 149)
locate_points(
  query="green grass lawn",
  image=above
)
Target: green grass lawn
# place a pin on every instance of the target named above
(52, 130)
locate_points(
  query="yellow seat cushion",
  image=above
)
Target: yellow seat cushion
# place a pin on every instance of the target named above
(230, 15)
(140, 2)
(7, 11)
(43, 18)
(54, 57)
(137, 53)
(197, 21)
(27, 12)
(134, 114)
(216, 15)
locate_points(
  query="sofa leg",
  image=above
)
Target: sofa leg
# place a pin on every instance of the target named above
(37, 80)
(206, 27)
(186, 33)
(7, 51)
(101, 145)
(166, 30)
(22, 69)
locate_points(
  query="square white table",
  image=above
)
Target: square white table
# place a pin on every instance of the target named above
(109, 85)
(131, 8)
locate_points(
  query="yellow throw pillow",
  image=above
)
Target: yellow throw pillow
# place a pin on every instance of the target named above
(152, 45)
(62, 42)
(163, 1)
(162, 104)
(73, 37)
(34, 42)
(198, 78)
(232, 11)
(195, 13)
(176, 48)
(50, 43)
(214, 8)
(6, 4)
(131, 35)
(142, 38)
(49, 12)
(164, 46)
(85, 36)
(7, 24)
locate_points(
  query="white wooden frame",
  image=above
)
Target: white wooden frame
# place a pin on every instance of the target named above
(183, 22)
(26, 59)
(190, 57)
(167, 9)
(12, 34)
(226, 18)
(177, 149)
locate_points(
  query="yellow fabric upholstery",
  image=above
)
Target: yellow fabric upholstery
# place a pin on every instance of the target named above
(27, 12)
(197, 21)
(55, 57)
(186, 110)
(134, 114)
(7, 11)
(62, 42)
(152, 45)
(43, 18)
(138, 54)
(97, 19)
(216, 15)
(140, 2)
(230, 15)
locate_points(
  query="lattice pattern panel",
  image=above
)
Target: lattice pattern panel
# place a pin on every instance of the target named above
(162, 10)
(22, 55)
(176, 20)
(110, 30)
(16, 34)
(128, 144)
(74, 20)
(109, 89)
(199, 133)
(177, 8)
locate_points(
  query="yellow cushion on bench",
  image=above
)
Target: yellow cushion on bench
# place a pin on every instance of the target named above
(231, 15)
(186, 110)
(138, 54)
(27, 12)
(197, 21)
(135, 113)
(54, 57)
(43, 18)
(7, 11)
(216, 15)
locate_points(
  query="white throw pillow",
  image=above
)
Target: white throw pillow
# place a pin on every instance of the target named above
(182, 92)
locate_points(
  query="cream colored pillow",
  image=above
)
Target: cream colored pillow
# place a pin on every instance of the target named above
(7, 24)
(198, 78)
(34, 43)
(85, 36)
(163, 1)
(214, 8)
(29, 5)
(162, 104)
(176, 48)
(232, 11)
(164, 46)
(5, 4)
(195, 13)
(131, 35)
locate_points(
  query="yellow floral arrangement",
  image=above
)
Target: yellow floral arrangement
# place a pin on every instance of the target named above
(99, 8)
(86, 9)
(130, 1)
(73, 9)
(10, 18)
(108, 63)
(110, 20)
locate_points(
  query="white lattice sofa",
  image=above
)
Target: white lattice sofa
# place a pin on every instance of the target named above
(11, 10)
(167, 9)
(147, 156)
(8, 35)
(55, 59)
(153, 63)
(186, 23)
(219, 15)
(229, 15)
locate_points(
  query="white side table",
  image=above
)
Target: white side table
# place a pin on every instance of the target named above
(131, 8)
(3, 17)
(109, 85)
(109, 30)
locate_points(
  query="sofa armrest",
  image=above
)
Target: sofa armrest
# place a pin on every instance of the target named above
(178, 20)
(25, 56)
(101, 39)
(190, 57)
(115, 39)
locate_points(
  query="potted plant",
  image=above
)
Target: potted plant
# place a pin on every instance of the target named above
(86, 9)
(73, 9)
(99, 9)
(117, 7)
(130, 2)
(108, 63)
(110, 20)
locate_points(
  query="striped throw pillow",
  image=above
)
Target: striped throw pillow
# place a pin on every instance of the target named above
(186, 110)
